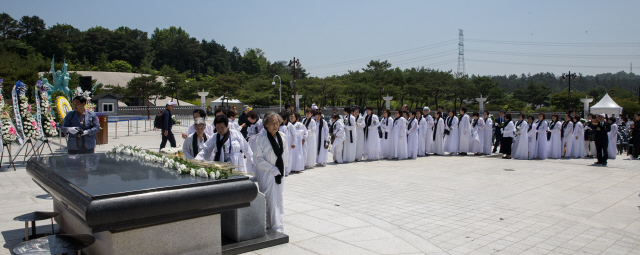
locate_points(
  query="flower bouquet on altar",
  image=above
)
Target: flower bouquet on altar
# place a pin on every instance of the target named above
(48, 122)
(179, 166)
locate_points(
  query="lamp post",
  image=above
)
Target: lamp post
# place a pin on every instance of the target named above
(294, 64)
(146, 86)
(637, 90)
(569, 77)
(273, 83)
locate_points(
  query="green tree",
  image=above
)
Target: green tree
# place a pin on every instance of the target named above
(173, 47)
(251, 62)
(377, 74)
(173, 82)
(120, 66)
(8, 26)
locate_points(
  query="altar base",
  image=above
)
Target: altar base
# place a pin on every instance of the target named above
(199, 235)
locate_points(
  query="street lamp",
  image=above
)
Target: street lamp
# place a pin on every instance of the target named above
(273, 83)
(568, 78)
(146, 86)
(294, 64)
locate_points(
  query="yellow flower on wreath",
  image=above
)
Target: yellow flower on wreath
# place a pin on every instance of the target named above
(63, 106)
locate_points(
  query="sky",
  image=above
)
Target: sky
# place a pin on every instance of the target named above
(332, 37)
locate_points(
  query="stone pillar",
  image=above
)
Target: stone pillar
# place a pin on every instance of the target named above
(586, 102)
(297, 98)
(203, 96)
(481, 101)
(388, 100)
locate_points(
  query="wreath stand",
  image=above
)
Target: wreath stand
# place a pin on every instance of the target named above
(8, 149)
(41, 147)
(27, 152)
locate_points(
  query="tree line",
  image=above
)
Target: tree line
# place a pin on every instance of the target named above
(190, 65)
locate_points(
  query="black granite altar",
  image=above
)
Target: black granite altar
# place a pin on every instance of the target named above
(110, 193)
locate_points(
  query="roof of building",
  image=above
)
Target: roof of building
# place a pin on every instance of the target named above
(99, 96)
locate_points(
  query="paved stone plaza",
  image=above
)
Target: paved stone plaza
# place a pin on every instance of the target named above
(447, 205)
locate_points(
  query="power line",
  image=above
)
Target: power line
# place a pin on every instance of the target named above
(398, 53)
(428, 66)
(518, 63)
(560, 44)
(552, 55)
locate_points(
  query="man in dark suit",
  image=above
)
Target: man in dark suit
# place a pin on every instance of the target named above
(498, 124)
(602, 140)
(635, 125)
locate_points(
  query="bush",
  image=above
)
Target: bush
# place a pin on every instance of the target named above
(628, 106)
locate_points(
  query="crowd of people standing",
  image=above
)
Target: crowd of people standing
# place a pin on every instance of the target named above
(279, 144)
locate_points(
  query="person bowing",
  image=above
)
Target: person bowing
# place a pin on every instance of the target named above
(228, 145)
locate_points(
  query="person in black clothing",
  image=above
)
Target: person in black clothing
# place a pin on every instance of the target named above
(166, 127)
(498, 124)
(590, 136)
(635, 125)
(243, 121)
(601, 131)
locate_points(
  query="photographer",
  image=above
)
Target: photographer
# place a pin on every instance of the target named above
(82, 126)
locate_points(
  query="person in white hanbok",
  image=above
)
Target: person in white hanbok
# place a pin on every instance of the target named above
(578, 142)
(231, 114)
(531, 136)
(287, 129)
(412, 136)
(422, 133)
(520, 148)
(476, 134)
(487, 132)
(567, 137)
(464, 132)
(338, 139)
(323, 139)
(540, 150)
(371, 136)
(271, 158)
(195, 142)
(198, 113)
(386, 142)
(399, 137)
(311, 141)
(428, 129)
(555, 142)
(506, 141)
(451, 134)
(228, 145)
(253, 129)
(437, 137)
(613, 139)
(350, 138)
(360, 130)
(297, 154)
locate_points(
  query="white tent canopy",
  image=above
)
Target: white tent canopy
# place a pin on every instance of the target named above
(224, 101)
(607, 106)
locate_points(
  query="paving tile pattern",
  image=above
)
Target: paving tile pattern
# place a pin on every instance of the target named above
(432, 205)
